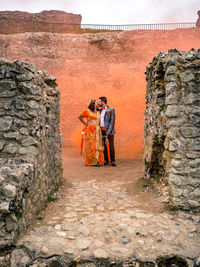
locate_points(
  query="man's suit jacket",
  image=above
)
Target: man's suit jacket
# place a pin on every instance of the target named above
(109, 120)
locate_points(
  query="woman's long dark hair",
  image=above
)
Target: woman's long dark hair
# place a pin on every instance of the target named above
(92, 105)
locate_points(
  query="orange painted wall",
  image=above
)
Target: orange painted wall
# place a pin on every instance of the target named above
(91, 65)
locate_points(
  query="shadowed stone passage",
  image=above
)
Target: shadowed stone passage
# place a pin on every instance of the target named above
(172, 125)
(30, 146)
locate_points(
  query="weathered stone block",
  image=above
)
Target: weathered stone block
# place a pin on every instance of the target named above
(1, 179)
(190, 99)
(171, 70)
(4, 207)
(30, 89)
(195, 173)
(175, 122)
(30, 150)
(195, 120)
(191, 65)
(187, 77)
(170, 78)
(197, 76)
(194, 163)
(6, 123)
(194, 144)
(172, 99)
(9, 190)
(21, 123)
(24, 77)
(11, 224)
(33, 113)
(193, 155)
(196, 193)
(24, 131)
(193, 203)
(10, 104)
(190, 131)
(33, 104)
(11, 135)
(190, 57)
(178, 163)
(193, 181)
(7, 94)
(29, 141)
(174, 111)
(176, 179)
(177, 192)
(176, 144)
(11, 148)
(1, 145)
(7, 85)
(173, 133)
(171, 88)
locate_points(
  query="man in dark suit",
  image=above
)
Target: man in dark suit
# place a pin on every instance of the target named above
(107, 124)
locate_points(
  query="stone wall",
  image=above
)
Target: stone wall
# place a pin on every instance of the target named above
(45, 21)
(172, 125)
(30, 146)
(198, 21)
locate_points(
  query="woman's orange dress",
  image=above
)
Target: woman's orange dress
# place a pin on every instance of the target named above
(92, 139)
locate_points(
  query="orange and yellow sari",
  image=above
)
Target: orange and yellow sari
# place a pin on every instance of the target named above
(92, 139)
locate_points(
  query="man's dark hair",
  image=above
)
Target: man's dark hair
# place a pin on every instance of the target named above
(92, 105)
(103, 99)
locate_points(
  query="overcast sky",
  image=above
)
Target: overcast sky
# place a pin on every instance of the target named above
(114, 11)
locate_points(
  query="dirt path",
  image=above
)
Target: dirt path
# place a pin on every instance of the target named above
(128, 171)
(108, 213)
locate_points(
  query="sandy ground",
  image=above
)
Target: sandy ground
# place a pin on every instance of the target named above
(128, 171)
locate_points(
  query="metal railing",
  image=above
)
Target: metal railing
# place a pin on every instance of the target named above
(131, 27)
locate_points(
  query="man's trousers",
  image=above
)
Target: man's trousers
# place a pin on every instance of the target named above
(111, 146)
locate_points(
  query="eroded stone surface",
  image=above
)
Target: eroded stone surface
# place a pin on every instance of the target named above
(172, 125)
(124, 232)
(30, 146)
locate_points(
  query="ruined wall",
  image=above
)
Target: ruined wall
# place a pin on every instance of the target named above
(198, 21)
(30, 146)
(172, 125)
(45, 21)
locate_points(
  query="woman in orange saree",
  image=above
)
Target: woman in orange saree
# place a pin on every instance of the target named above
(92, 138)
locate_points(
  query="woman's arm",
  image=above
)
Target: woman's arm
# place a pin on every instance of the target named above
(82, 120)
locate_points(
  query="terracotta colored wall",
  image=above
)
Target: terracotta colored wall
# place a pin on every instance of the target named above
(45, 21)
(91, 65)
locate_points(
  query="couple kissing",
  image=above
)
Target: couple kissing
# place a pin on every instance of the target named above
(97, 142)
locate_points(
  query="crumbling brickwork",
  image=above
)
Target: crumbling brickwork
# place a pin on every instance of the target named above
(172, 125)
(30, 145)
(45, 21)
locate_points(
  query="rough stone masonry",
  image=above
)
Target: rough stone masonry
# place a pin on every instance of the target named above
(30, 146)
(172, 125)
(45, 21)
